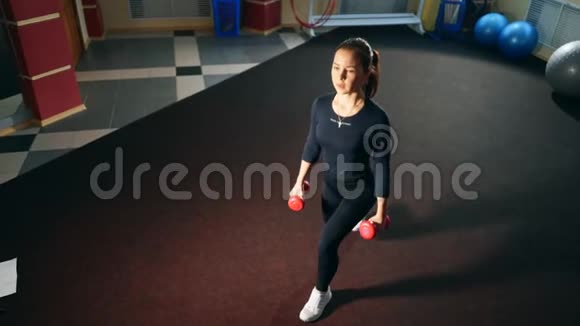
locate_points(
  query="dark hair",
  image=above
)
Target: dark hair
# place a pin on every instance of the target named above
(362, 51)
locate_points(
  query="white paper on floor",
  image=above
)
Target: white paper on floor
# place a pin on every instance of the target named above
(8, 278)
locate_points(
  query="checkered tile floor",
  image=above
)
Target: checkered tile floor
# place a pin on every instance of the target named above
(127, 77)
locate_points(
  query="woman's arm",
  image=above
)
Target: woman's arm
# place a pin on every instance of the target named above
(382, 203)
(311, 151)
(304, 168)
(380, 159)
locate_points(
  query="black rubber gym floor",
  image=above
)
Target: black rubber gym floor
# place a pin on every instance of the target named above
(508, 257)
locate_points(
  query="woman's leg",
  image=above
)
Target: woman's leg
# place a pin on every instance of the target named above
(331, 198)
(344, 217)
(340, 215)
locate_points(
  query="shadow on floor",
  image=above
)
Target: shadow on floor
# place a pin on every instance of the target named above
(569, 105)
(541, 239)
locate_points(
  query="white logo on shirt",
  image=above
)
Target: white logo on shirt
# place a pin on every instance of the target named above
(340, 123)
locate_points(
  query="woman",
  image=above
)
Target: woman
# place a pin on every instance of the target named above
(357, 177)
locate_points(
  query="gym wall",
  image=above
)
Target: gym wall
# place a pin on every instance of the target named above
(117, 19)
(516, 10)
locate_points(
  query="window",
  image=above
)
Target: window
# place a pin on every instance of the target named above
(557, 21)
(169, 9)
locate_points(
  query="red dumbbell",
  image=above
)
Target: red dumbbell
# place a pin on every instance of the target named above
(296, 203)
(368, 229)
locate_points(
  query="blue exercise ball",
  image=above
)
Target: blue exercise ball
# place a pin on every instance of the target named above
(488, 28)
(518, 39)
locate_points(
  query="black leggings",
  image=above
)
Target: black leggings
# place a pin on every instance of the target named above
(341, 212)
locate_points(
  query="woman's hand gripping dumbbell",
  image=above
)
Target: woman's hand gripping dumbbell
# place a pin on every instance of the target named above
(296, 201)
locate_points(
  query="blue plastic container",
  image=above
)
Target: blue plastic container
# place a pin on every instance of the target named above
(226, 16)
(451, 15)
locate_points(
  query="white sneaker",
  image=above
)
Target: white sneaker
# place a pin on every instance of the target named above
(357, 226)
(315, 306)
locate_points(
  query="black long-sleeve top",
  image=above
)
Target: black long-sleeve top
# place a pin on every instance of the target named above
(365, 139)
